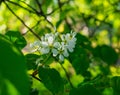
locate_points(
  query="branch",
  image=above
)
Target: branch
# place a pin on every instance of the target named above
(60, 5)
(22, 21)
(52, 12)
(36, 77)
(68, 24)
(31, 27)
(42, 13)
(96, 19)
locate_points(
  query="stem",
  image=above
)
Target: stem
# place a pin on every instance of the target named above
(39, 5)
(22, 21)
(43, 14)
(47, 58)
(32, 27)
(36, 71)
(67, 75)
(30, 6)
(36, 78)
(14, 3)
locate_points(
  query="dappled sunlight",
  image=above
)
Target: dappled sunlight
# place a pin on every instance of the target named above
(60, 47)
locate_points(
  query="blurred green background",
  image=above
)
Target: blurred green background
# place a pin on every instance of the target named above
(95, 61)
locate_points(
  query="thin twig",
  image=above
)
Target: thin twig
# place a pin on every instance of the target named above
(21, 6)
(42, 13)
(67, 75)
(39, 5)
(22, 21)
(36, 78)
(60, 5)
(30, 6)
(52, 11)
(32, 27)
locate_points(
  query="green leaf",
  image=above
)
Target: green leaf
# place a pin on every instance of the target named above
(51, 79)
(104, 69)
(58, 23)
(106, 53)
(79, 60)
(115, 83)
(66, 28)
(7, 88)
(16, 38)
(47, 59)
(13, 66)
(31, 61)
(85, 90)
(83, 41)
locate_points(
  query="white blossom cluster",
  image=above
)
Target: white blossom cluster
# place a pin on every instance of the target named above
(58, 44)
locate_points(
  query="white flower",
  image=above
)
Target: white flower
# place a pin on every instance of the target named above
(63, 51)
(47, 43)
(50, 40)
(69, 40)
(35, 46)
(44, 50)
(61, 57)
(58, 45)
(60, 50)
(55, 52)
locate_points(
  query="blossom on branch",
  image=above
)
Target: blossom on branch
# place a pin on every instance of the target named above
(58, 44)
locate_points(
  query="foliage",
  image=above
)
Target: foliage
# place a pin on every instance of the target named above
(39, 55)
(13, 76)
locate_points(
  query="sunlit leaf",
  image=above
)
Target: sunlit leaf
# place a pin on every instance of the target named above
(16, 38)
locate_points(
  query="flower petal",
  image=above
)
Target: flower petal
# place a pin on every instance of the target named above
(65, 53)
(55, 52)
(70, 49)
(50, 40)
(61, 57)
(44, 44)
(56, 45)
(45, 50)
